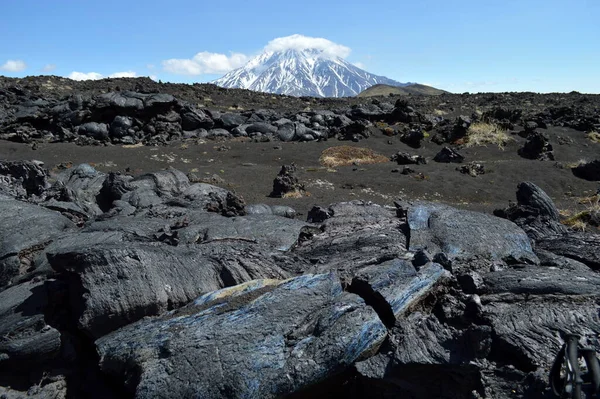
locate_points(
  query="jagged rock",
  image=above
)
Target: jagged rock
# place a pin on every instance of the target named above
(354, 131)
(404, 158)
(23, 178)
(472, 168)
(286, 182)
(534, 212)
(79, 185)
(413, 138)
(448, 155)
(296, 333)
(588, 170)
(24, 234)
(537, 147)
(26, 337)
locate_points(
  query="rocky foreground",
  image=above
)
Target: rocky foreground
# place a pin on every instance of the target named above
(152, 286)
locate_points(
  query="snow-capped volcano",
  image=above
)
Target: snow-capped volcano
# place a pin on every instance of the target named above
(302, 72)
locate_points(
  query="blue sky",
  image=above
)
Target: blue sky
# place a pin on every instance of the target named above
(461, 45)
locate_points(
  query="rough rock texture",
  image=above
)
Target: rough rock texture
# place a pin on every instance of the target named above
(286, 182)
(115, 285)
(286, 346)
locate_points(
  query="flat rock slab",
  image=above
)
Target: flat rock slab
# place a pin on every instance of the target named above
(542, 281)
(112, 284)
(266, 343)
(582, 247)
(441, 228)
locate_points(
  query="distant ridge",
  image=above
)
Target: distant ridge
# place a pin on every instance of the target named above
(413, 88)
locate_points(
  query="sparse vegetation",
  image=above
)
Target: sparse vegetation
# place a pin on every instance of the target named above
(581, 221)
(347, 155)
(593, 136)
(481, 134)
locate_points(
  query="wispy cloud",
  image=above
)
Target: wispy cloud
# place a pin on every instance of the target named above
(360, 65)
(205, 62)
(13, 66)
(48, 68)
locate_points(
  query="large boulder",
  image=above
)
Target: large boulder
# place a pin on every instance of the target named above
(98, 131)
(192, 119)
(295, 333)
(441, 228)
(120, 126)
(538, 147)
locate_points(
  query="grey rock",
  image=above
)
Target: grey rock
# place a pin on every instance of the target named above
(448, 155)
(289, 330)
(196, 119)
(261, 127)
(440, 228)
(27, 231)
(113, 285)
(230, 120)
(120, 126)
(98, 131)
(26, 337)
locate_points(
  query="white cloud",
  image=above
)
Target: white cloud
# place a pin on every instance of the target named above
(360, 65)
(85, 76)
(95, 75)
(13, 66)
(300, 42)
(154, 78)
(217, 63)
(205, 62)
(126, 74)
(48, 68)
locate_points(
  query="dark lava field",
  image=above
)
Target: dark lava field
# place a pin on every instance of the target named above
(164, 240)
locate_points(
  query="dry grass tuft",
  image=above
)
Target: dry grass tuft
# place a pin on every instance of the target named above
(296, 194)
(481, 134)
(347, 155)
(581, 221)
(594, 137)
